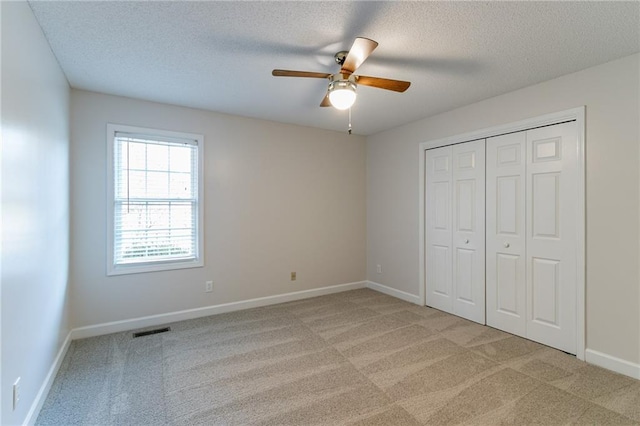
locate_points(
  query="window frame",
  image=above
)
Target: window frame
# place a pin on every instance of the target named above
(159, 265)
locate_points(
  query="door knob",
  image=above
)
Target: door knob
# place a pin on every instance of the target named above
(506, 245)
(466, 241)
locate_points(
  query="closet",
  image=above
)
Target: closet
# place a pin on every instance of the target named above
(500, 232)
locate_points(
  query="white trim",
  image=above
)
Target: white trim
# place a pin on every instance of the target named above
(529, 123)
(581, 232)
(153, 320)
(41, 397)
(577, 114)
(111, 269)
(422, 177)
(407, 297)
(612, 363)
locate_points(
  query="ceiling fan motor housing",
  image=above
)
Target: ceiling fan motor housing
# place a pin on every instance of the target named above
(343, 82)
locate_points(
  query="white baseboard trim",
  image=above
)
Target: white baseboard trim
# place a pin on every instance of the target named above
(153, 320)
(38, 402)
(408, 297)
(612, 363)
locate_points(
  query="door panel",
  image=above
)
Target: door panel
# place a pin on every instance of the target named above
(441, 281)
(464, 275)
(545, 289)
(465, 207)
(468, 239)
(506, 262)
(441, 205)
(545, 204)
(439, 228)
(507, 291)
(507, 219)
(551, 232)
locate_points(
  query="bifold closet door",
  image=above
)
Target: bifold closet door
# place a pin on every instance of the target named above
(439, 230)
(552, 180)
(506, 229)
(455, 201)
(531, 234)
(469, 230)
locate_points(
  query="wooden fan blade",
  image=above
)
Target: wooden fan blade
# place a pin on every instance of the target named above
(358, 53)
(325, 102)
(383, 83)
(288, 73)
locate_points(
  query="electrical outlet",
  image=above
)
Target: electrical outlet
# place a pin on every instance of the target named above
(379, 269)
(208, 287)
(16, 393)
(293, 276)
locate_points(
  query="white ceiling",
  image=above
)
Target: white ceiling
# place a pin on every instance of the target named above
(219, 55)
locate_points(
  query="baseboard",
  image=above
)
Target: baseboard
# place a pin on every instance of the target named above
(153, 320)
(38, 402)
(408, 297)
(612, 363)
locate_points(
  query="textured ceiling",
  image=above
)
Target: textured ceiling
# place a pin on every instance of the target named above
(219, 55)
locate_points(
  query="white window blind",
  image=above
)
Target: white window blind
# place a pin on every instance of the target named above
(155, 202)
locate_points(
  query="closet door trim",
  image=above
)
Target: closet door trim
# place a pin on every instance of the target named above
(575, 114)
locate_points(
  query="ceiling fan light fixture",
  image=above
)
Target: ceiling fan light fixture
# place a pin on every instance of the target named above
(342, 94)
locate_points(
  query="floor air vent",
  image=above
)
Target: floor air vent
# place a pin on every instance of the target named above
(150, 332)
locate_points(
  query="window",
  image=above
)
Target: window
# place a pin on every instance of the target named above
(155, 200)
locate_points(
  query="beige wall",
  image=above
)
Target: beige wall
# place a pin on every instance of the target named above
(35, 210)
(611, 93)
(278, 198)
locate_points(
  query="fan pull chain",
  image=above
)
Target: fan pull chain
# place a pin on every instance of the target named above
(349, 131)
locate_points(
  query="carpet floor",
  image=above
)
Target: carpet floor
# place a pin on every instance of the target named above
(354, 358)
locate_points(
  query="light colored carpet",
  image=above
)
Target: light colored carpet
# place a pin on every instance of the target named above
(354, 358)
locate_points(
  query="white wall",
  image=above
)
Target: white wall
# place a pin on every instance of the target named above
(278, 198)
(611, 93)
(35, 208)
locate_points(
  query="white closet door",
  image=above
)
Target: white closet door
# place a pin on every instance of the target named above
(439, 228)
(506, 260)
(468, 230)
(551, 235)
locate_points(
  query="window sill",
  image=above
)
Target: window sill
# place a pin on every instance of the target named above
(153, 267)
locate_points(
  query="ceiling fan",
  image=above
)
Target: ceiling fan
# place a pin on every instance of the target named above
(341, 93)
